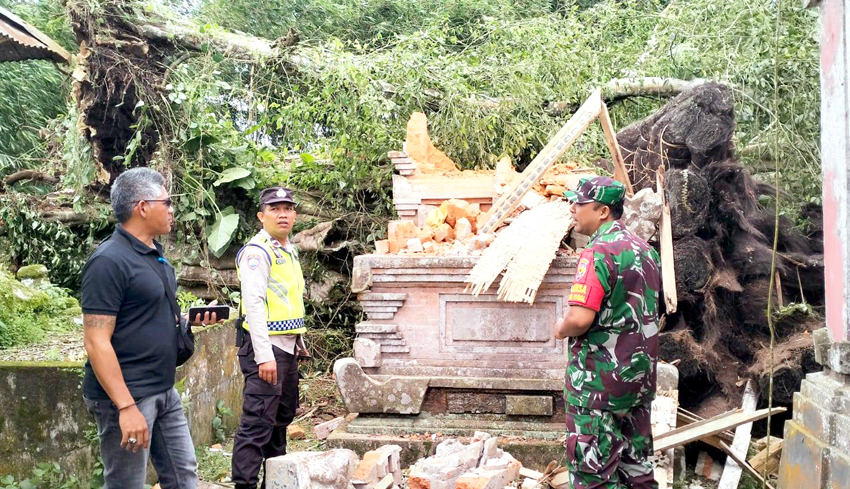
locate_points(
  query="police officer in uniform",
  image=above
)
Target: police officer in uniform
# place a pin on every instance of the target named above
(268, 337)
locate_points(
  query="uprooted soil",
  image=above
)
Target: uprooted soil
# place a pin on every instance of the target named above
(723, 249)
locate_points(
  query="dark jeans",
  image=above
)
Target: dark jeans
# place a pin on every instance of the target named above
(266, 412)
(171, 449)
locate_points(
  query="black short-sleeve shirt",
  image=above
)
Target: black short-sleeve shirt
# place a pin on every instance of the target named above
(122, 279)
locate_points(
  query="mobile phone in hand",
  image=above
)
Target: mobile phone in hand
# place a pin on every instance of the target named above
(221, 312)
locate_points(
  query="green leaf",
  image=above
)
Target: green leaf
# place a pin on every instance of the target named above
(7, 479)
(307, 158)
(231, 174)
(222, 233)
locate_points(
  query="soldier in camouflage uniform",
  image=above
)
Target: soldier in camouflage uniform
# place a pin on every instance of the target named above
(613, 348)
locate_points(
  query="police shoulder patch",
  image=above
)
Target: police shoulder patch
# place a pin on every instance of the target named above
(253, 261)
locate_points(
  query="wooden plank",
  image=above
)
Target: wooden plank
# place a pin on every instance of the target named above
(685, 418)
(696, 431)
(743, 433)
(621, 173)
(562, 479)
(771, 460)
(668, 270)
(568, 134)
(530, 474)
(742, 463)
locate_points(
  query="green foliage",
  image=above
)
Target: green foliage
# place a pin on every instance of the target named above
(377, 22)
(187, 299)
(44, 476)
(64, 249)
(221, 412)
(29, 313)
(32, 92)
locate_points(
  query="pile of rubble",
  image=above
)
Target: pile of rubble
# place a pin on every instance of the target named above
(450, 229)
(479, 464)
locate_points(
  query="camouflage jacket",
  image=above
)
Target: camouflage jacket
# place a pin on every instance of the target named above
(612, 366)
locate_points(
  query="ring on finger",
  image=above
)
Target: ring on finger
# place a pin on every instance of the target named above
(132, 441)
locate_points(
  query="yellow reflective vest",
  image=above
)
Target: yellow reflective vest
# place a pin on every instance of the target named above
(285, 290)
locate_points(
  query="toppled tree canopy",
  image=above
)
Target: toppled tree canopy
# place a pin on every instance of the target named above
(333, 83)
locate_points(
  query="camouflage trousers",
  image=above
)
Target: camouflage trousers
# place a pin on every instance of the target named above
(609, 450)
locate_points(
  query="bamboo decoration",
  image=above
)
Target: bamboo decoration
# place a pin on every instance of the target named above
(524, 251)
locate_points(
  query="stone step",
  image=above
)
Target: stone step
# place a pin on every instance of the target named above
(375, 328)
(394, 349)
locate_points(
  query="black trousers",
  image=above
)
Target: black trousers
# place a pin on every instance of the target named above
(266, 412)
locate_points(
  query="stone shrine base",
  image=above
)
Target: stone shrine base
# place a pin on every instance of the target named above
(816, 452)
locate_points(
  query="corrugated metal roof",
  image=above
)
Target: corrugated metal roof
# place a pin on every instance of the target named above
(20, 41)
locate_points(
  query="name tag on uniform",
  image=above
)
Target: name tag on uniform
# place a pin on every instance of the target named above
(281, 261)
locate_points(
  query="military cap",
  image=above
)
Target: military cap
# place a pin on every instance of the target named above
(604, 190)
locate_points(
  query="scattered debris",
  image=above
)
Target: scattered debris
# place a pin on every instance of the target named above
(377, 466)
(332, 469)
(480, 464)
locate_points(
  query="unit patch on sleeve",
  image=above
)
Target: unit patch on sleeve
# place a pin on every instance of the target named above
(253, 261)
(586, 290)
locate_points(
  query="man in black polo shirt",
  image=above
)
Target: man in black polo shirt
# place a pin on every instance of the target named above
(131, 341)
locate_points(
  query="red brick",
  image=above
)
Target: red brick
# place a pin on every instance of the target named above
(456, 209)
(295, 432)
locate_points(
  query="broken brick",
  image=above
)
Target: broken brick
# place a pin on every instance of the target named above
(456, 209)
(398, 232)
(444, 232)
(463, 229)
(415, 245)
(323, 430)
(295, 432)
(382, 246)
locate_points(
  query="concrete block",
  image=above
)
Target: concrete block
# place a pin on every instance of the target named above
(332, 469)
(822, 342)
(467, 455)
(363, 394)
(667, 377)
(803, 459)
(489, 479)
(323, 430)
(393, 454)
(502, 461)
(528, 405)
(367, 352)
(491, 449)
(481, 435)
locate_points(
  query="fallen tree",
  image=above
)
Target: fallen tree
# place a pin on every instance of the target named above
(723, 252)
